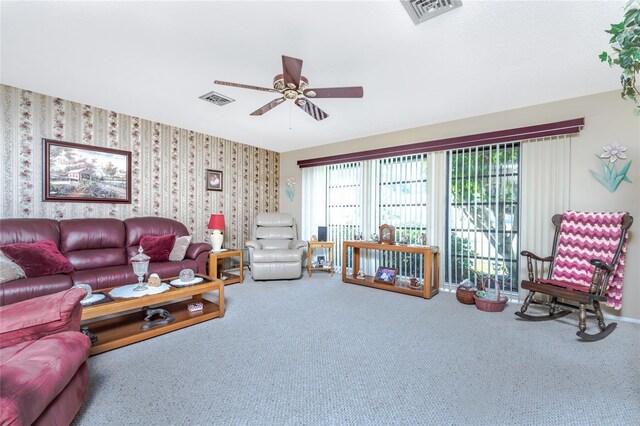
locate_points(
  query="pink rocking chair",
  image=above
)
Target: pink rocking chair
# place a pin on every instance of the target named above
(586, 267)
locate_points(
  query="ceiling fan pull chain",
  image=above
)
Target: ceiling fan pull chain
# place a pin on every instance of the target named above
(290, 108)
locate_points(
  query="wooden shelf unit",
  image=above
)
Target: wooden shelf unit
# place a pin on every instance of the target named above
(126, 316)
(431, 259)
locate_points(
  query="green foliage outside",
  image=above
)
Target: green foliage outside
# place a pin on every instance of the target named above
(484, 194)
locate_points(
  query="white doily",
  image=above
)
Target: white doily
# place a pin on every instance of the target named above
(92, 299)
(128, 292)
(179, 283)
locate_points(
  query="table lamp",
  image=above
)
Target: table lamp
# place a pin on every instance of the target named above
(216, 222)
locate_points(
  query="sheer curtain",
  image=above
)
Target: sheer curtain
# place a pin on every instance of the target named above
(545, 178)
(437, 200)
(314, 201)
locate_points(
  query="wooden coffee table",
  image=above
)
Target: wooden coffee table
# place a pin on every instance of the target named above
(126, 316)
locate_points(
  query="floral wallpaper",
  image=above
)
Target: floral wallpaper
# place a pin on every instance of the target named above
(168, 167)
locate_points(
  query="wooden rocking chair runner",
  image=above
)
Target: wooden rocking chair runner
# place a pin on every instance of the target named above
(585, 267)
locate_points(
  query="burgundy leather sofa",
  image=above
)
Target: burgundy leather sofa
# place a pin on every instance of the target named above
(44, 377)
(98, 249)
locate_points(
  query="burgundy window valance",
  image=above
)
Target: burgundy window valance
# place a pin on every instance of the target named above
(566, 127)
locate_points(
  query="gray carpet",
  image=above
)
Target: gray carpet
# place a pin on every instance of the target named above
(317, 351)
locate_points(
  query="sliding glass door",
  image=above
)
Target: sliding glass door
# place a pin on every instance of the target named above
(483, 215)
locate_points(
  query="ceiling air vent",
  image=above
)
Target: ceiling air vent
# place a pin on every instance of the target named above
(216, 98)
(421, 10)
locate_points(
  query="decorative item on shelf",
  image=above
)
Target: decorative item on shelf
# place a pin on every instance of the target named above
(320, 260)
(195, 307)
(465, 292)
(374, 237)
(361, 275)
(414, 283)
(314, 238)
(154, 280)
(187, 275)
(422, 240)
(156, 317)
(611, 178)
(385, 275)
(485, 302)
(403, 241)
(140, 263)
(387, 234)
(216, 223)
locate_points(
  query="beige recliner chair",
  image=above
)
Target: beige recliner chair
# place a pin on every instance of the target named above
(275, 253)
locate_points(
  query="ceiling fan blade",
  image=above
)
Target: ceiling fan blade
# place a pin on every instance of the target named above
(292, 69)
(274, 103)
(311, 109)
(335, 92)
(244, 86)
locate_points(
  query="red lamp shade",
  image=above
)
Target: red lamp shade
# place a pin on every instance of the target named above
(216, 222)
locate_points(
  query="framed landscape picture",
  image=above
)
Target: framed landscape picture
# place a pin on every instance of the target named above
(214, 180)
(385, 275)
(85, 173)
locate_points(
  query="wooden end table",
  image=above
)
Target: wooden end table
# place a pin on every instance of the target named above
(123, 327)
(324, 245)
(215, 266)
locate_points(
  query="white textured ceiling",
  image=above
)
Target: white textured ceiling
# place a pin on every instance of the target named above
(153, 60)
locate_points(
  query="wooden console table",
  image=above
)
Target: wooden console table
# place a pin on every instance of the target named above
(431, 259)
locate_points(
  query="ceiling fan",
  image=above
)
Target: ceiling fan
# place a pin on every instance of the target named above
(292, 85)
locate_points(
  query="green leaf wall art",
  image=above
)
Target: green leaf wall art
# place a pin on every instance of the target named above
(611, 178)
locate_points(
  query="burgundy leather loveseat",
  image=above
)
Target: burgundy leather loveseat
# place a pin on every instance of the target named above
(98, 249)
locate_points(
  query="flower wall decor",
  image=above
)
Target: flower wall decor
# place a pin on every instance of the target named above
(291, 188)
(611, 178)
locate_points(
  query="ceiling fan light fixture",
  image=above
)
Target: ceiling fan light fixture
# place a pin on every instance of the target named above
(293, 86)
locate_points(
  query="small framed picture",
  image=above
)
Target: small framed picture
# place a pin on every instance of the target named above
(385, 275)
(214, 180)
(320, 260)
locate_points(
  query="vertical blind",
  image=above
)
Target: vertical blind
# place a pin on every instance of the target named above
(403, 203)
(344, 204)
(363, 195)
(466, 200)
(483, 216)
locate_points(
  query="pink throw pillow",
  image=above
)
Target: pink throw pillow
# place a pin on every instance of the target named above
(38, 259)
(157, 248)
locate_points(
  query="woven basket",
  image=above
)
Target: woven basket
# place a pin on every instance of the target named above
(489, 305)
(465, 296)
